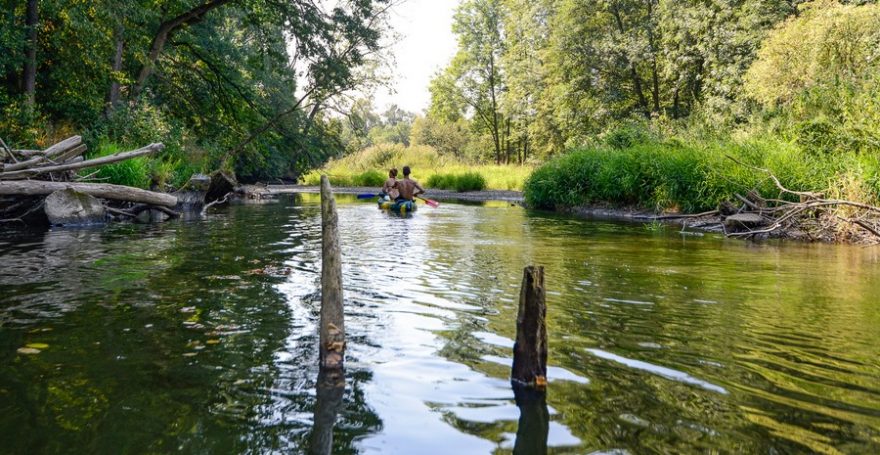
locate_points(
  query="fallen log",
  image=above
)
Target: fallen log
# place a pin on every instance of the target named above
(34, 171)
(67, 144)
(99, 190)
(58, 152)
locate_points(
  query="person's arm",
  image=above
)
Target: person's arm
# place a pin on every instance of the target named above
(419, 189)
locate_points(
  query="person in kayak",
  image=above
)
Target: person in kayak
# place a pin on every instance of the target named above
(408, 187)
(389, 188)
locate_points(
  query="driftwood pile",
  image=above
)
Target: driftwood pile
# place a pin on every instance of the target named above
(802, 215)
(37, 186)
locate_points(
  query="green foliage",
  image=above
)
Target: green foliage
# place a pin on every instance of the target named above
(134, 172)
(219, 93)
(627, 136)
(425, 162)
(369, 178)
(468, 181)
(827, 44)
(687, 178)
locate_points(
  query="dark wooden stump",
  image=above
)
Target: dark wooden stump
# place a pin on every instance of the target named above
(530, 349)
(332, 340)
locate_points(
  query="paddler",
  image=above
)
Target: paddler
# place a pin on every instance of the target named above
(408, 187)
(389, 188)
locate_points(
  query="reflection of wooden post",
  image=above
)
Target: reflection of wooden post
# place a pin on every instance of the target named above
(332, 340)
(530, 349)
(534, 422)
(330, 388)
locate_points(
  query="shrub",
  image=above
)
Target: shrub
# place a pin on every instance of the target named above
(134, 172)
(470, 181)
(368, 178)
(687, 178)
(441, 181)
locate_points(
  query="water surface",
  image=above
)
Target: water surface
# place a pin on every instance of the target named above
(200, 336)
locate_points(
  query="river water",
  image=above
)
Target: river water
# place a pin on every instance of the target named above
(200, 336)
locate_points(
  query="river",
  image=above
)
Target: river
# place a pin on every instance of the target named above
(200, 336)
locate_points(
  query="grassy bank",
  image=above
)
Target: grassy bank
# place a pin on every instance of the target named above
(369, 167)
(676, 176)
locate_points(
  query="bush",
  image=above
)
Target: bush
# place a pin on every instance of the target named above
(687, 178)
(134, 172)
(368, 178)
(468, 181)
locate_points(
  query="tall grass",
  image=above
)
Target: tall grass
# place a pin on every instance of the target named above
(468, 181)
(678, 177)
(425, 162)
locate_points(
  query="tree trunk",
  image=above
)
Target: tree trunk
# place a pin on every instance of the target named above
(30, 63)
(507, 142)
(161, 37)
(655, 89)
(113, 93)
(495, 129)
(100, 190)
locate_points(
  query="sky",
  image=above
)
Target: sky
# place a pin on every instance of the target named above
(426, 44)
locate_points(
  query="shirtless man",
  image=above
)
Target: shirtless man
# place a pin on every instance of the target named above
(408, 187)
(390, 187)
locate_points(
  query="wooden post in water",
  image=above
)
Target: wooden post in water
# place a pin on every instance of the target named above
(332, 339)
(529, 373)
(530, 349)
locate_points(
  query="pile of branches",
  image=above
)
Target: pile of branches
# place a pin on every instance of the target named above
(27, 177)
(803, 215)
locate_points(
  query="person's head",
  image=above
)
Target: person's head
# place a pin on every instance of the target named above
(406, 171)
(393, 172)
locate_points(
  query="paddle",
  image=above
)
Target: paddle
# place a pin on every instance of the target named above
(366, 196)
(429, 202)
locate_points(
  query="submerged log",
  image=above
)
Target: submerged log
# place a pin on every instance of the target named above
(34, 171)
(530, 349)
(332, 338)
(100, 190)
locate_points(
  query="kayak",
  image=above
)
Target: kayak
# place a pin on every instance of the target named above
(401, 207)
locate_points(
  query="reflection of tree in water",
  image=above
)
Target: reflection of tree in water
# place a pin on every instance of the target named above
(161, 339)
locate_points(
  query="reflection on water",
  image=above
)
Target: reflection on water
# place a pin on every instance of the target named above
(201, 337)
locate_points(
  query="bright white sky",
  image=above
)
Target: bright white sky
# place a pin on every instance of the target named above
(426, 45)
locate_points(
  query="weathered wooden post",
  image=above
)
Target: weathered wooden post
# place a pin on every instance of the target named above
(332, 339)
(530, 348)
(529, 372)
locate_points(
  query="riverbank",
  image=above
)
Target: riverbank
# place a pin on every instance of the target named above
(766, 187)
(511, 196)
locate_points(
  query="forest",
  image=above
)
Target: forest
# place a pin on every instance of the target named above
(645, 100)
(244, 86)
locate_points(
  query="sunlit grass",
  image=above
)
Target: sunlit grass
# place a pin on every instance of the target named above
(425, 162)
(691, 177)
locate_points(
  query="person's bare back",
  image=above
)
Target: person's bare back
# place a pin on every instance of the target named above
(408, 187)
